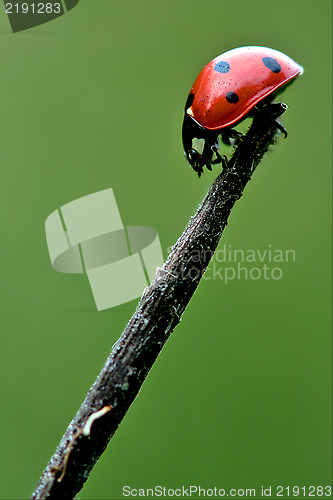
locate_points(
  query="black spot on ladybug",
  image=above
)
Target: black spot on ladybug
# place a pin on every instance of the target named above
(232, 97)
(189, 101)
(271, 64)
(222, 67)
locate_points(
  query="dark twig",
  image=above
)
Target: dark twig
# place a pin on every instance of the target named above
(157, 314)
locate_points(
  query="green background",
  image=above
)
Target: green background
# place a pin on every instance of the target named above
(240, 397)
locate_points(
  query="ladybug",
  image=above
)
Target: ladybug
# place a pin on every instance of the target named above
(233, 86)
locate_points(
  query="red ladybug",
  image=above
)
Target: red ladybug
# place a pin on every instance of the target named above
(232, 86)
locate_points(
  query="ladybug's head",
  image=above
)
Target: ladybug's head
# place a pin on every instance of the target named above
(196, 160)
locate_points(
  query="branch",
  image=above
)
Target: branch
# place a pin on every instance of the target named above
(158, 313)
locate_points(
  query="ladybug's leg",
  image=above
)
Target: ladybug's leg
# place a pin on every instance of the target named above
(211, 148)
(219, 158)
(207, 153)
(197, 168)
(237, 136)
(273, 110)
(230, 133)
(282, 129)
(225, 136)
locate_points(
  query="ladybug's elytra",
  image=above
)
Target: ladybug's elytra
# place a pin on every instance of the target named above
(231, 87)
